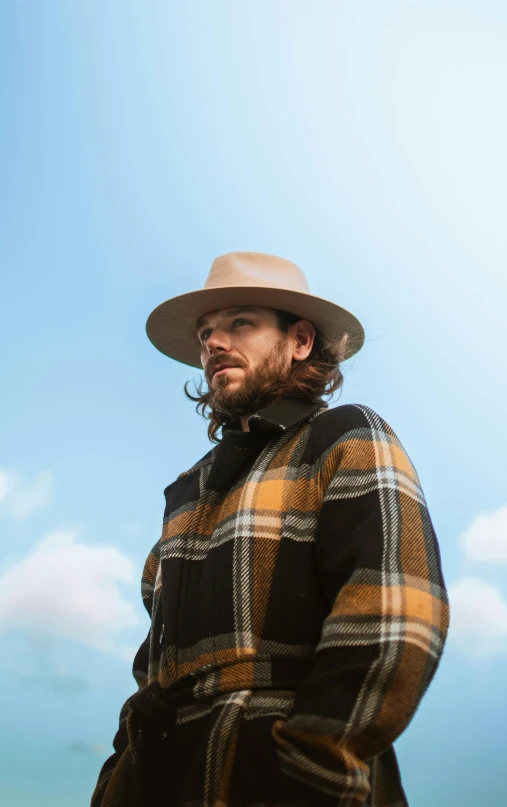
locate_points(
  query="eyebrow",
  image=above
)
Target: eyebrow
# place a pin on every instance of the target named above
(232, 312)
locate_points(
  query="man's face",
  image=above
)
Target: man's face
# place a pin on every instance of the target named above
(241, 349)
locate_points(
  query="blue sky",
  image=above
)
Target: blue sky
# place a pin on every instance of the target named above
(138, 141)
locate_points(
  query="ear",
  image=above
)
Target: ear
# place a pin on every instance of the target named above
(302, 335)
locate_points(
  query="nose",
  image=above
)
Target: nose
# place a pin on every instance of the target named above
(217, 341)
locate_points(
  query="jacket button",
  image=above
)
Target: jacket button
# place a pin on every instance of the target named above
(164, 735)
(151, 695)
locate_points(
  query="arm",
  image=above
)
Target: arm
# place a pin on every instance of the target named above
(113, 769)
(379, 562)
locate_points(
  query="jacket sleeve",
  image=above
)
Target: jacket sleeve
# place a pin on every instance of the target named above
(378, 560)
(113, 772)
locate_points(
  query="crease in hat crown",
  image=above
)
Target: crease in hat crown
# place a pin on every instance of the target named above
(247, 278)
(255, 269)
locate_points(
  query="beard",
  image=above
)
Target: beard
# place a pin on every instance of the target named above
(260, 387)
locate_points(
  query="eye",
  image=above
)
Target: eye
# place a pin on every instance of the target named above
(204, 334)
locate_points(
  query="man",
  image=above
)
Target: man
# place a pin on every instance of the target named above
(298, 610)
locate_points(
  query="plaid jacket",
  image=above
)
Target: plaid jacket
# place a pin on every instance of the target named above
(298, 614)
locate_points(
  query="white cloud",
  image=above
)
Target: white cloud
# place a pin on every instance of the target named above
(486, 539)
(19, 499)
(70, 590)
(478, 617)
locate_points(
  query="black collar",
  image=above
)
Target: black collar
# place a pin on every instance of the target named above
(282, 415)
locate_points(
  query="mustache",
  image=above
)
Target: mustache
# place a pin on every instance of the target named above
(229, 361)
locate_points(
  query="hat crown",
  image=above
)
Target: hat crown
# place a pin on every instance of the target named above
(252, 269)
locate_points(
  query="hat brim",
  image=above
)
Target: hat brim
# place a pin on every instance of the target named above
(172, 326)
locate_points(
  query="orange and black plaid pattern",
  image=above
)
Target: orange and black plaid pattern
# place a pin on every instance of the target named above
(298, 613)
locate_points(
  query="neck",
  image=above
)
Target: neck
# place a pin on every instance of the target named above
(244, 423)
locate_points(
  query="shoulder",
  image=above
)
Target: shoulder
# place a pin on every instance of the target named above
(332, 425)
(197, 466)
(193, 471)
(356, 441)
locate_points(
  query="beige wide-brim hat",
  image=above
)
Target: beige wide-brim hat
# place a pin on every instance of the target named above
(248, 278)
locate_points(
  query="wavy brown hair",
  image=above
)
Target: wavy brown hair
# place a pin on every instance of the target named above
(310, 380)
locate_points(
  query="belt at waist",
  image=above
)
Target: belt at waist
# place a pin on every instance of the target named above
(154, 707)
